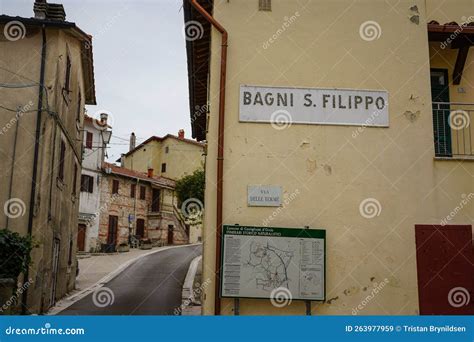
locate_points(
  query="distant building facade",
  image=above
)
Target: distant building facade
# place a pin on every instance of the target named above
(96, 134)
(170, 156)
(138, 206)
(48, 69)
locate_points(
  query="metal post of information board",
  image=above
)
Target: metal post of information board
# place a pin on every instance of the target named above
(307, 302)
(236, 307)
(236, 300)
(308, 307)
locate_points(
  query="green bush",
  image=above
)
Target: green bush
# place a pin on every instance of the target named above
(14, 253)
(191, 186)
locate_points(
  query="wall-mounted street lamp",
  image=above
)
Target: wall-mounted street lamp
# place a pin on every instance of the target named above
(106, 136)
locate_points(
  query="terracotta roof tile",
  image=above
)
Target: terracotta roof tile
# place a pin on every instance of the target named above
(121, 171)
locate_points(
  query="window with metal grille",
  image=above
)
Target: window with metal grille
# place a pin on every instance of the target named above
(133, 189)
(142, 192)
(163, 167)
(264, 5)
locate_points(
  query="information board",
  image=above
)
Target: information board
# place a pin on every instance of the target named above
(256, 261)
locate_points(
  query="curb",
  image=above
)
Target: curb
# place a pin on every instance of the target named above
(188, 286)
(68, 301)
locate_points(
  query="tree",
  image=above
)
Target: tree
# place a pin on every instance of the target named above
(191, 187)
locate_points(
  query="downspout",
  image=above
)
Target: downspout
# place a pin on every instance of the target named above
(220, 148)
(35, 159)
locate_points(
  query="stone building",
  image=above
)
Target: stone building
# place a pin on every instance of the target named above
(170, 156)
(46, 79)
(358, 117)
(96, 136)
(138, 206)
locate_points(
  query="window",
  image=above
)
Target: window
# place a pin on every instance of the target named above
(67, 81)
(115, 186)
(142, 192)
(167, 149)
(163, 167)
(89, 139)
(264, 5)
(62, 155)
(133, 190)
(87, 183)
(155, 200)
(79, 107)
(74, 180)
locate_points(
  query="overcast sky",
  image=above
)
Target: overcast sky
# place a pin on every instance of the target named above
(139, 62)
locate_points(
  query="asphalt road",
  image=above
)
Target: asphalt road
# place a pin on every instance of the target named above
(150, 286)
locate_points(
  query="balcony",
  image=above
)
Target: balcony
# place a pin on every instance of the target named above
(453, 130)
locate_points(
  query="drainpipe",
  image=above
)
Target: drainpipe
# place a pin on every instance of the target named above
(35, 158)
(220, 147)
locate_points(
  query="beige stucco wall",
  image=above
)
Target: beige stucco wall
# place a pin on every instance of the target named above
(55, 213)
(145, 157)
(333, 168)
(182, 159)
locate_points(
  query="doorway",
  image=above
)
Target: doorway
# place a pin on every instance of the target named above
(112, 234)
(441, 111)
(170, 234)
(81, 237)
(445, 268)
(140, 228)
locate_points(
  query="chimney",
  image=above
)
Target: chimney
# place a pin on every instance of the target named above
(103, 118)
(181, 134)
(43, 11)
(122, 160)
(133, 141)
(150, 172)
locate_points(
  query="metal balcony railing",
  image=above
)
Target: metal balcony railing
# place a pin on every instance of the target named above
(453, 129)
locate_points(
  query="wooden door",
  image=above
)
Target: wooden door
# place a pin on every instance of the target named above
(140, 228)
(113, 227)
(170, 234)
(81, 237)
(445, 267)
